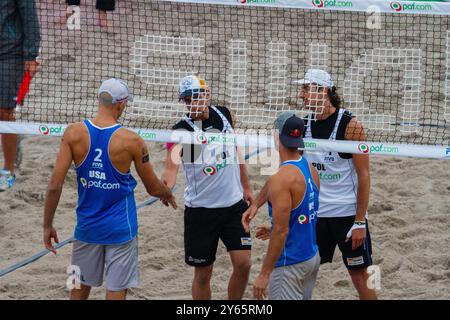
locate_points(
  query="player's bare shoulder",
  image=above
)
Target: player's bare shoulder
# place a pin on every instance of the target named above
(233, 116)
(128, 139)
(355, 131)
(284, 177)
(75, 132)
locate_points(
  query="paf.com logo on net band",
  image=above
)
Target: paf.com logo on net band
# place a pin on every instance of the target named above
(147, 135)
(45, 130)
(413, 6)
(215, 139)
(332, 3)
(365, 149)
(255, 1)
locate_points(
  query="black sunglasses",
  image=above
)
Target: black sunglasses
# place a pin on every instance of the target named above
(188, 99)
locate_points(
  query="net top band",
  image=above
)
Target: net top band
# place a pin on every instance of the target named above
(385, 6)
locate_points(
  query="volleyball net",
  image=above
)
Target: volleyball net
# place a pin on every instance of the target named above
(390, 63)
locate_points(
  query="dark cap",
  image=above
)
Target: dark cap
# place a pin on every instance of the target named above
(291, 129)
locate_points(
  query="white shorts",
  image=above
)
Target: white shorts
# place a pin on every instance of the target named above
(118, 263)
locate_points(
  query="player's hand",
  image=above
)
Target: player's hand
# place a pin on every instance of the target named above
(170, 201)
(358, 236)
(248, 215)
(260, 286)
(32, 67)
(248, 196)
(49, 234)
(263, 232)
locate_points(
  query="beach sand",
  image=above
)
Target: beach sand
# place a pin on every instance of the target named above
(408, 214)
(409, 209)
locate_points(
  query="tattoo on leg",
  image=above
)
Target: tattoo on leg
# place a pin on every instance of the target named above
(145, 158)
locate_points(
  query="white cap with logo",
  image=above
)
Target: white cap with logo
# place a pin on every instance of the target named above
(117, 89)
(317, 76)
(191, 85)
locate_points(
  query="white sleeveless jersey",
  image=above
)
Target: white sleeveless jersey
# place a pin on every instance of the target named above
(338, 178)
(213, 180)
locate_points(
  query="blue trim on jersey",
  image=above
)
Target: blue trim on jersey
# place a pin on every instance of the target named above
(106, 211)
(301, 243)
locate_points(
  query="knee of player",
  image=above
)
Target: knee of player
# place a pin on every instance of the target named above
(203, 276)
(242, 267)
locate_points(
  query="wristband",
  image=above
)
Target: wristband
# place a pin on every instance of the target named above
(354, 227)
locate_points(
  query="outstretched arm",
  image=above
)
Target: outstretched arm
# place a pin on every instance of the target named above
(152, 184)
(54, 189)
(253, 209)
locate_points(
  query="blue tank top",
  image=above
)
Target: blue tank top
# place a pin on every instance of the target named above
(301, 243)
(106, 211)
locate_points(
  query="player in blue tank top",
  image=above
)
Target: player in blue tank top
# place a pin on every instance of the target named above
(106, 230)
(301, 240)
(113, 220)
(292, 261)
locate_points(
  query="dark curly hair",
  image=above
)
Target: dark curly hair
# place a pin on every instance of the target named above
(335, 100)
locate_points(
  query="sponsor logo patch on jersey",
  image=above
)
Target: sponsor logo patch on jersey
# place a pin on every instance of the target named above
(209, 171)
(302, 219)
(83, 182)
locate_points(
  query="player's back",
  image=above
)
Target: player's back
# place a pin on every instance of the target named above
(106, 211)
(120, 146)
(300, 243)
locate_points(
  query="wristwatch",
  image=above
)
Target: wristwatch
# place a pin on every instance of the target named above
(360, 223)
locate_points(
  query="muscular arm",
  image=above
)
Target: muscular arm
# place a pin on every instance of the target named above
(55, 186)
(355, 131)
(145, 171)
(280, 197)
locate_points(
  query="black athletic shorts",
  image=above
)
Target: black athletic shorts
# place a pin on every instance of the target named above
(332, 232)
(203, 227)
(11, 74)
(105, 5)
